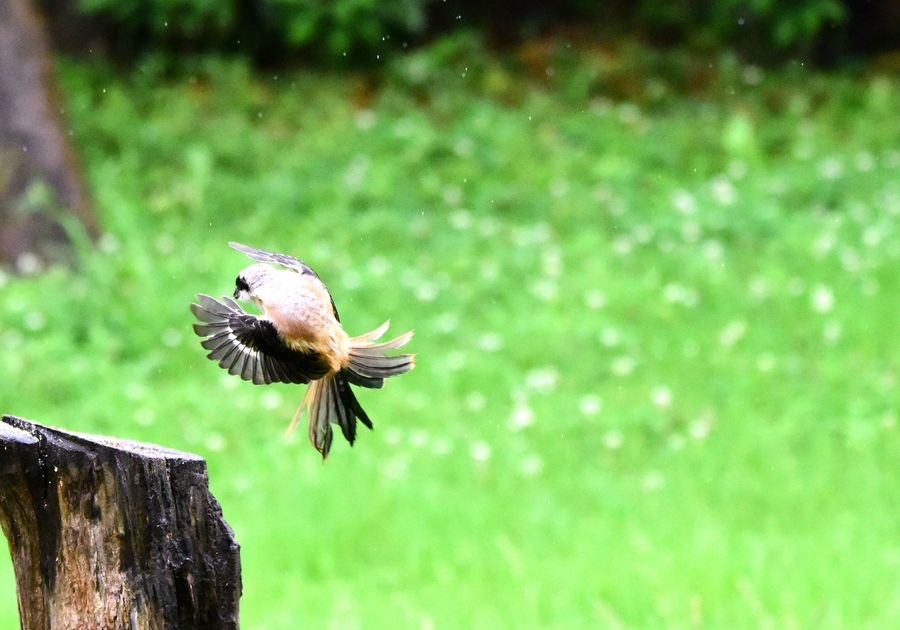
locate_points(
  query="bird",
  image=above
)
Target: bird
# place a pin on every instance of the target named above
(299, 338)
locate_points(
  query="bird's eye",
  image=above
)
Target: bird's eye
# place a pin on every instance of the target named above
(241, 284)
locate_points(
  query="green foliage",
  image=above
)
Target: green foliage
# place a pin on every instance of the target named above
(361, 32)
(656, 335)
(348, 24)
(761, 27)
(324, 29)
(166, 20)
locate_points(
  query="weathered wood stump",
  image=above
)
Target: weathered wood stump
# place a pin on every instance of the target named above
(109, 533)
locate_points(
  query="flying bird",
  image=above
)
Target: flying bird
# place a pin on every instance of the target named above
(298, 339)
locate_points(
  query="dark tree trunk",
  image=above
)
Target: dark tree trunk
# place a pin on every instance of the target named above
(108, 533)
(34, 145)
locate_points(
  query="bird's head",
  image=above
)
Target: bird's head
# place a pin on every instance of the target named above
(250, 279)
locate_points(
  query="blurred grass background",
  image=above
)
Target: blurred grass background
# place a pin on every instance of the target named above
(656, 330)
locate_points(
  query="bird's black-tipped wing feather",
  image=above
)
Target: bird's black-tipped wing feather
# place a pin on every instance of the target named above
(274, 257)
(249, 346)
(284, 260)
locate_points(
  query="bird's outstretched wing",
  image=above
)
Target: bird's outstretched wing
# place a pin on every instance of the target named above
(249, 346)
(274, 257)
(284, 260)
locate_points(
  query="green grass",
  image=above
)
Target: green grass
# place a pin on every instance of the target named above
(657, 340)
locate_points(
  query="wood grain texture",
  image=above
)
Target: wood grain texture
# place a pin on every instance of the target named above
(108, 533)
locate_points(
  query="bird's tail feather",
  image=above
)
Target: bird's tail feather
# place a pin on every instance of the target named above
(330, 400)
(370, 365)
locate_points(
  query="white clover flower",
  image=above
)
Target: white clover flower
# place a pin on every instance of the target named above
(108, 243)
(759, 288)
(766, 362)
(822, 299)
(28, 263)
(652, 481)
(446, 322)
(701, 426)
(489, 342)
(489, 270)
(831, 168)
(35, 320)
(271, 400)
(441, 445)
(737, 169)
(145, 416)
(552, 263)
(613, 440)
(355, 175)
(426, 292)
(677, 442)
(864, 161)
(379, 266)
(691, 232)
(480, 451)
(544, 289)
(475, 401)
(661, 396)
(522, 416)
(676, 293)
(488, 226)
(622, 246)
(723, 191)
(623, 365)
(461, 219)
(824, 244)
(796, 286)
(543, 380)
(351, 279)
(171, 337)
(393, 436)
(590, 405)
(464, 147)
(452, 195)
(594, 299)
(559, 187)
(732, 333)
(873, 235)
(455, 360)
(365, 119)
(684, 202)
(752, 75)
(629, 113)
(396, 468)
(135, 391)
(610, 336)
(832, 332)
(713, 249)
(531, 466)
(215, 441)
(164, 243)
(418, 438)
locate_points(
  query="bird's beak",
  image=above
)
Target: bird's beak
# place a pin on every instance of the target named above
(237, 294)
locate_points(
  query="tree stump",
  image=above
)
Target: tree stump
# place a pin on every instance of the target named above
(109, 533)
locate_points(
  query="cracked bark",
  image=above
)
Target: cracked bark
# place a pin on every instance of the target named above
(109, 533)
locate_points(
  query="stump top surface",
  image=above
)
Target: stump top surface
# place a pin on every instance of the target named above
(11, 434)
(15, 429)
